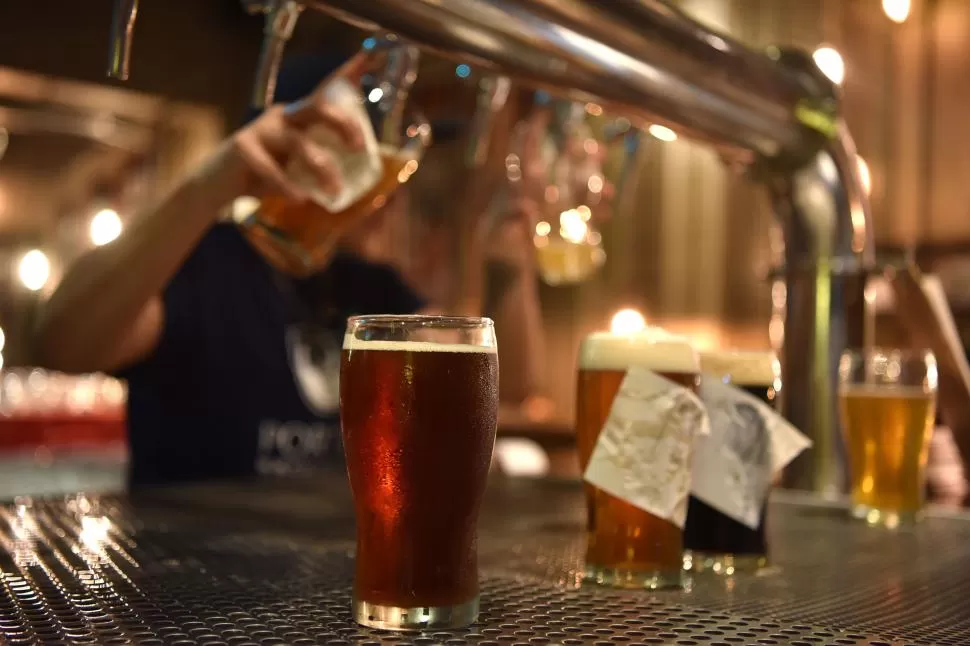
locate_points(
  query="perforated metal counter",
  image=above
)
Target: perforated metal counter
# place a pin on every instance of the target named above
(247, 564)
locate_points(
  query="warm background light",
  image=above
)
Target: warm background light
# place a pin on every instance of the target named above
(628, 321)
(34, 270)
(105, 226)
(829, 60)
(572, 227)
(663, 133)
(244, 206)
(864, 174)
(896, 10)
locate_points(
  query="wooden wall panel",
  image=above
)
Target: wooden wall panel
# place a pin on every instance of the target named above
(904, 190)
(949, 215)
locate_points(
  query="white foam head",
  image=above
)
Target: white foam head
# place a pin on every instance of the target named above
(351, 343)
(652, 348)
(742, 367)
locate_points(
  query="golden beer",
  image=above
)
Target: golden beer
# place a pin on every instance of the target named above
(299, 237)
(887, 432)
(562, 262)
(626, 546)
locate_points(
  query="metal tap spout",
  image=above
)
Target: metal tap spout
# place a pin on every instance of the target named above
(122, 30)
(281, 18)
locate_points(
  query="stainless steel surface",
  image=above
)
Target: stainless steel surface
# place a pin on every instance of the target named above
(639, 57)
(825, 218)
(233, 564)
(281, 17)
(122, 31)
(775, 115)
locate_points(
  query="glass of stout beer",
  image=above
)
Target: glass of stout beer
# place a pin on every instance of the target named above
(888, 403)
(627, 546)
(418, 409)
(713, 541)
(298, 238)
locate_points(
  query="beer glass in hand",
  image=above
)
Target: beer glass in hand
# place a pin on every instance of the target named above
(372, 89)
(418, 409)
(888, 405)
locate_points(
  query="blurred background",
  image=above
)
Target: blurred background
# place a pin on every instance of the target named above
(668, 231)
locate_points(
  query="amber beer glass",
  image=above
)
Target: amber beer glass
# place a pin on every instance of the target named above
(298, 237)
(418, 408)
(627, 546)
(888, 403)
(715, 541)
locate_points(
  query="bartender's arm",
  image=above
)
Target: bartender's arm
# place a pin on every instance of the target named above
(108, 312)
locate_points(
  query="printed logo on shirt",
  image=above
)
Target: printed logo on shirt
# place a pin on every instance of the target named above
(315, 363)
(288, 448)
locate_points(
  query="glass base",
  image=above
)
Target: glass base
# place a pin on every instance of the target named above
(724, 564)
(374, 615)
(890, 518)
(617, 577)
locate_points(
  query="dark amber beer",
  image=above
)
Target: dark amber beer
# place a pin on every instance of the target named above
(626, 546)
(298, 237)
(715, 541)
(418, 421)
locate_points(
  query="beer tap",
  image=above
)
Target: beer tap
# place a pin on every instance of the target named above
(493, 93)
(122, 31)
(281, 17)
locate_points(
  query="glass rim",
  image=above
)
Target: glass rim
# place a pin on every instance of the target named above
(438, 321)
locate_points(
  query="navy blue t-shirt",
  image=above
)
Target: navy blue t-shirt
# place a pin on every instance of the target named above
(244, 379)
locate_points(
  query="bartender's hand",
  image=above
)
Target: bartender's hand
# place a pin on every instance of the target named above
(251, 161)
(108, 311)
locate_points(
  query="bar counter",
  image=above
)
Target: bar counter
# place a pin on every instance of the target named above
(247, 563)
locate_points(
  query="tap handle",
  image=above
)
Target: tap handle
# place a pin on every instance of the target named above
(394, 80)
(280, 21)
(122, 30)
(493, 93)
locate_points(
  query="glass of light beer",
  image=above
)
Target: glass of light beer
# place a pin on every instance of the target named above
(715, 541)
(627, 546)
(888, 404)
(373, 90)
(418, 409)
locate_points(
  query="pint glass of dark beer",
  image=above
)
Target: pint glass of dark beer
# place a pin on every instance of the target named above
(627, 546)
(714, 541)
(418, 408)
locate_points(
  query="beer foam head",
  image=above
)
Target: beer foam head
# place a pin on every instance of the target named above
(652, 348)
(744, 368)
(351, 343)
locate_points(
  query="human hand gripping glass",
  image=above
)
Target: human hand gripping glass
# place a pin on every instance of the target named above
(319, 166)
(251, 162)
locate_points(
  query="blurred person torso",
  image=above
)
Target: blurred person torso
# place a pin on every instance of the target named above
(244, 379)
